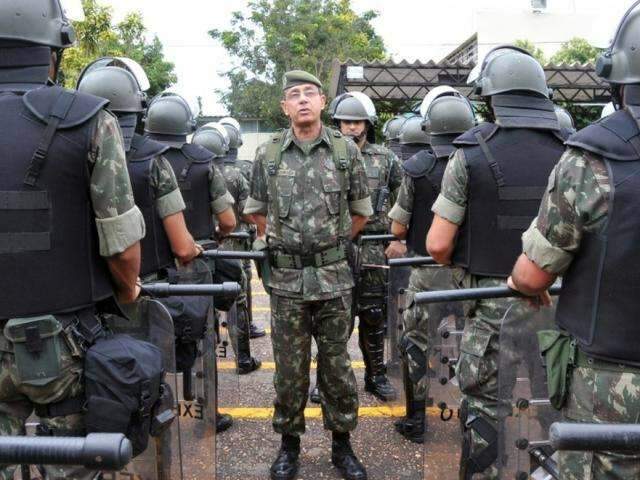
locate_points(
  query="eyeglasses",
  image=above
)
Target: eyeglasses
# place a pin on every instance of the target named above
(297, 94)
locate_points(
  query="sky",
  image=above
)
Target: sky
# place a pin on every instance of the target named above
(411, 29)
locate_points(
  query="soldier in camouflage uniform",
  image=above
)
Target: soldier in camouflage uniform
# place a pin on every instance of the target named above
(587, 232)
(355, 115)
(30, 45)
(245, 167)
(309, 196)
(446, 117)
(489, 191)
(238, 187)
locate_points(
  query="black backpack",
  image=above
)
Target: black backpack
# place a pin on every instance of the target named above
(125, 390)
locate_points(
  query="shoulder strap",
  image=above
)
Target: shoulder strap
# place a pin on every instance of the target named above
(493, 164)
(58, 113)
(274, 157)
(340, 150)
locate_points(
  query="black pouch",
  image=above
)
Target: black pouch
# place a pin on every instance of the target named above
(123, 387)
(226, 270)
(558, 351)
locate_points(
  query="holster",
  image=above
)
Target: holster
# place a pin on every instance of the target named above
(558, 351)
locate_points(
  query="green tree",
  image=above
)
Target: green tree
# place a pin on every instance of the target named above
(280, 35)
(99, 37)
(576, 50)
(530, 47)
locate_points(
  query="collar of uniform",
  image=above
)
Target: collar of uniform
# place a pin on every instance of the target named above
(289, 138)
(368, 148)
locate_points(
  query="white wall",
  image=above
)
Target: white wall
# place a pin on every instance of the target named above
(251, 142)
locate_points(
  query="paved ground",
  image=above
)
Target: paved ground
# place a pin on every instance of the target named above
(247, 450)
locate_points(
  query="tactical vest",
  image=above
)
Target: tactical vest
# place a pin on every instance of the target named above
(396, 147)
(600, 290)
(192, 164)
(409, 150)
(273, 157)
(426, 172)
(156, 249)
(508, 172)
(49, 252)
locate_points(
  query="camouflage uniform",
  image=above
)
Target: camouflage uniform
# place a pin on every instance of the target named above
(238, 187)
(416, 326)
(576, 202)
(120, 225)
(169, 200)
(313, 301)
(477, 367)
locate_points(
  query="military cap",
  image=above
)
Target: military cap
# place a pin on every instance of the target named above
(294, 78)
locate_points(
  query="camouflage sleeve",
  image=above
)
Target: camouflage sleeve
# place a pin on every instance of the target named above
(221, 199)
(576, 201)
(243, 192)
(118, 221)
(163, 180)
(403, 208)
(258, 191)
(451, 204)
(395, 177)
(359, 197)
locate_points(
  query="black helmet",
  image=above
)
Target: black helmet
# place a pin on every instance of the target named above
(41, 22)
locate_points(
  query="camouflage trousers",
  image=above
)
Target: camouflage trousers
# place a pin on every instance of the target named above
(17, 402)
(477, 367)
(601, 396)
(293, 323)
(239, 330)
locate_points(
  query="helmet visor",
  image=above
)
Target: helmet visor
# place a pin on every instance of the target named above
(137, 71)
(73, 10)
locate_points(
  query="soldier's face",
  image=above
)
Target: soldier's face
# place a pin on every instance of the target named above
(353, 128)
(303, 104)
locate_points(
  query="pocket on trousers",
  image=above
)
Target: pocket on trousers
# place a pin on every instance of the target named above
(472, 369)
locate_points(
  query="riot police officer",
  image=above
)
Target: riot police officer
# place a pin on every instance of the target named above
(238, 187)
(446, 117)
(391, 132)
(155, 187)
(169, 120)
(489, 194)
(355, 116)
(587, 232)
(71, 230)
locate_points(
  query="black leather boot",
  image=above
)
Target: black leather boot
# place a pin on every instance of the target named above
(285, 466)
(223, 422)
(344, 459)
(371, 341)
(412, 427)
(255, 331)
(246, 363)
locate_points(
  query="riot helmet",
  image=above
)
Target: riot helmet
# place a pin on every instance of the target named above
(433, 94)
(412, 133)
(392, 127)
(212, 140)
(115, 84)
(221, 130)
(233, 130)
(39, 22)
(564, 118)
(169, 114)
(449, 115)
(620, 63)
(131, 66)
(356, 106)
(508, 68)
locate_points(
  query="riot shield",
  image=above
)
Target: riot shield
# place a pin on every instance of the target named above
(525, 412)
(396, 289)
(194, 379)
(444, 326)
(149, 320)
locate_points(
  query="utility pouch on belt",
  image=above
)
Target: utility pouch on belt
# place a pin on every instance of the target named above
(36, 346)
(226, 270)
(559, 353)
(264, 265)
